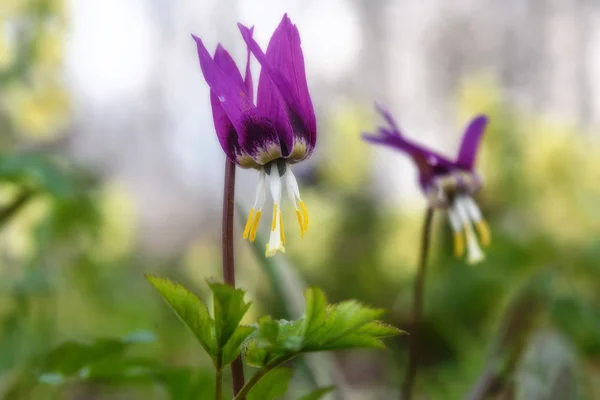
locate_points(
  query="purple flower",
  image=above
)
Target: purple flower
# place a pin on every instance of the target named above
(447, 184)
(269, 135)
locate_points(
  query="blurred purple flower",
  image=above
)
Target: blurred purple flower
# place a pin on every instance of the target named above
(447, 184)
(278, 130)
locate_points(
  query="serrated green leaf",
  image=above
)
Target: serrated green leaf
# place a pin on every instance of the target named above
(341, 319)
(269, 329)
(315, 313)
(191, 310)
(349, 341)
(379, 329)
(318, 393)
(233, 346)
(272, 385)
(346, 325)
(229, 309)
(265, 346)
(255, 355)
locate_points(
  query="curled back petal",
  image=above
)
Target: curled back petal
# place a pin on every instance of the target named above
(256, 136)
(470, 142)
(226, 63)
(228, 137)
(248, 75)
(389, 119)
(269, 102)
(391, 139)
(284, 64)
(226, 133)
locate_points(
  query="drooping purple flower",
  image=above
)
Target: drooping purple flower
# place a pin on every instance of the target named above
(447, 184)
(269, 135)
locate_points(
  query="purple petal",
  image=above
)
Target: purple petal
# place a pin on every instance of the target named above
(388, 118)
(248, 76)
(228, 137)
(225, 62)
(256, 135)
(270, 103)
(225, 85)
(284, 64)
(417, 152)
(470, 142)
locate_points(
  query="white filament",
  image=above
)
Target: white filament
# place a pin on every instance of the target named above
(292, 187)
(462, 207)
(259, 201)
(275, 243)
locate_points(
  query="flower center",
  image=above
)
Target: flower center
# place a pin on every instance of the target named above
(445, 187)
(274, 175)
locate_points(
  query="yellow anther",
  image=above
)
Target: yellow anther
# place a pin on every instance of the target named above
(459, 244)
(484, 232)
(274, 222)
(305, 214)
(255, 226)
(248, 224)
(300, 222)
(282, 234)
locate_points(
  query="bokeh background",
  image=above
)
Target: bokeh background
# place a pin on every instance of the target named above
(110, 168)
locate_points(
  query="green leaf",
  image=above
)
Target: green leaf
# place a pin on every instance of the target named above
(229, 309)
(233, 347)
(345, 325)
(191, 310)
(274, 339)
(316, 304)
(272, 385)
(318, 393)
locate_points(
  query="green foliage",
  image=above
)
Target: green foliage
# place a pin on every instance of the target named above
(103, 360)
(346, 325)
(220, 335)
(191, 310)
(272, 386)
(229, 309)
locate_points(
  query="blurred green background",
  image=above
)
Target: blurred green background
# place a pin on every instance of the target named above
(72, 262)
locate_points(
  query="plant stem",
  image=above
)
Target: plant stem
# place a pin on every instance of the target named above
(219, 383)
(237, 368)
(261, 374)
(6, 213)
(417, 311)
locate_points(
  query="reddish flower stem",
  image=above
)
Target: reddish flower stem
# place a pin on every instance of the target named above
(417, 312)
(237, 368)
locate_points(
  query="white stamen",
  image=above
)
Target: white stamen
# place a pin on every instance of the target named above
(474, 253)
(472, 208)
(454, 220)
(292, 187)
(275, 243)
(260, 191)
